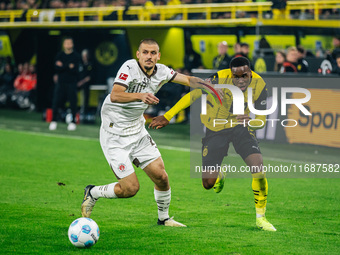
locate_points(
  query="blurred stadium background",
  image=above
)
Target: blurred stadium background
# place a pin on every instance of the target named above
(188, 32)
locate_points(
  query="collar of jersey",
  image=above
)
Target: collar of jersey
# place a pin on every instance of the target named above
(149, 76)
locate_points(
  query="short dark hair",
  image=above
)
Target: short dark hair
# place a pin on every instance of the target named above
(148, 41)
(300, 49)
(239, 61)
(244, 44)
(67, 38)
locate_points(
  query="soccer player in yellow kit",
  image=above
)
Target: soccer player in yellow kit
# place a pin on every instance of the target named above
(234, 129)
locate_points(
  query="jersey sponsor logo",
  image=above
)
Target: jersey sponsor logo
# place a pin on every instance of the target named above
(122, 167)
(123, 76)
(137, 87)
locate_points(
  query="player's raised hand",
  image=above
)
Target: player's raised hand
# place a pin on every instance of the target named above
(149, 98)
(158, 122)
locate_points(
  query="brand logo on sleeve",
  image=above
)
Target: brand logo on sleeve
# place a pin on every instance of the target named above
(123, 76)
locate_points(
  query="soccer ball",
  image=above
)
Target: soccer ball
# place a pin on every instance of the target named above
(83, 232)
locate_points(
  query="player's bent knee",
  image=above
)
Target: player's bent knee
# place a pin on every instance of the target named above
(162, 179)
(131, 190)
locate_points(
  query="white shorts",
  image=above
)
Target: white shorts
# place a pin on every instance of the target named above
(121, 151)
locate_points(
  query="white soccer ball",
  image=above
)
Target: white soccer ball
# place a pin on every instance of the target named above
(83, 232)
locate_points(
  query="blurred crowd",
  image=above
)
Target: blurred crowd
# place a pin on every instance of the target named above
(278, 8)
(294, 59)
(17, 84)
(58, 4)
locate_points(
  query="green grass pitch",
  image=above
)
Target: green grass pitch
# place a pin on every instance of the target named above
(43, 174)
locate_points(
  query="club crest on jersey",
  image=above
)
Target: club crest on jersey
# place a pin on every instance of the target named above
(122, 167)
(123, 76)
(205, 151)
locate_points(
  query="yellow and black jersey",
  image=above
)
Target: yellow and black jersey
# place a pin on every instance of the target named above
(225, 111)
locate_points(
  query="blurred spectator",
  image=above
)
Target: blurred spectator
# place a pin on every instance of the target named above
(114, 14)
(245, 50)
(25, 84)
(33, 4)
(86, 73)
(237, 50)
(222, 60)
(336, 70)
(278, 9)
(27, 79)
(302, 63)
(290, 65)
(319, 53)
(192, 59)
(3, 5)
(173, 15)
(6, 84)
(280, 58)
(264, 48)
(84, 4)
(67, 67)
(336, 45)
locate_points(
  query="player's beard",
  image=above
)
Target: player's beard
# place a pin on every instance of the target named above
(148, 68)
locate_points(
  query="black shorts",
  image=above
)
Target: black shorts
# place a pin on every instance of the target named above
(215, 145)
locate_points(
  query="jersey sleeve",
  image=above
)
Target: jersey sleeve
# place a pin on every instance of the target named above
(260, 104)
(170, 73)
(261, 101)
(124, 76)
(183, 103)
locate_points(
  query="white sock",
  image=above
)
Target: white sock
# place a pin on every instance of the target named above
(163, 202)
(107, 191)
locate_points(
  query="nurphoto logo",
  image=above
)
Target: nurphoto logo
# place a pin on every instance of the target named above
(238, 105)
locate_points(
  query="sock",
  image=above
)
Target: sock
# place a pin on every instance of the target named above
(260, 189)
(106, 191)
(163, 202)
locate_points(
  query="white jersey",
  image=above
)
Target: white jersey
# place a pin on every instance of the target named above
(127, 118)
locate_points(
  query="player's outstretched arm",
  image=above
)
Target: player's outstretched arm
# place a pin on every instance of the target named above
(191, 81)
(118, 95)
(260, 104)
(163, 120)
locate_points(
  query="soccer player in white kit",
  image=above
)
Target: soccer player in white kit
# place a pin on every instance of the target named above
(123, 136)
